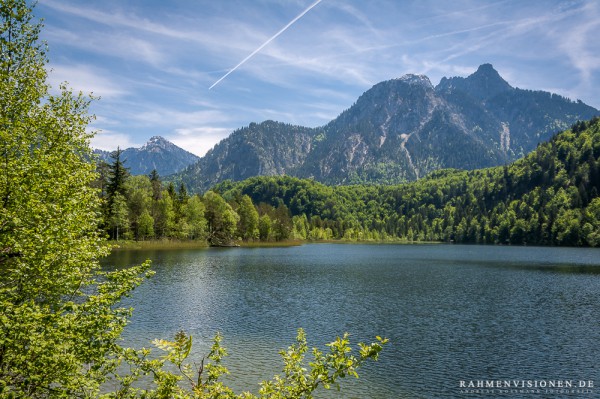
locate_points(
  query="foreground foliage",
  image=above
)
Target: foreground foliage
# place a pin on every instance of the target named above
(189, 381)
(61, 315)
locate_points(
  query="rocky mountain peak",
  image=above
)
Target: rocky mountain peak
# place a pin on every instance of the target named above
(158, 153)
(486, 69)
(483, 84)
(157, 139)
(487, 77)
(420, 80)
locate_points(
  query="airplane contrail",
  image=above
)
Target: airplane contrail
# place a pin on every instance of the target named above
(267, 42)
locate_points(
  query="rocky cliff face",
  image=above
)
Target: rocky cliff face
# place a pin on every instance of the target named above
(399, 130)
(515, 120)
(368, 141)
(158, 153)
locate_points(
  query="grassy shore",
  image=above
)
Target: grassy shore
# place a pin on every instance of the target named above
(270, 244)
(157, 245)
(392, 241)
(128, 245)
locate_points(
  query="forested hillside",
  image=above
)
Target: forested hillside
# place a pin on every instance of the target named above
(265, 149)
(549, 197)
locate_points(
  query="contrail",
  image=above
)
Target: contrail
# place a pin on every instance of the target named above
(267, 42)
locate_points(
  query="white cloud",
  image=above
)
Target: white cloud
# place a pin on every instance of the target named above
(193, 131)
(109, 141)
(198, 140)
(436, 69)
(121, 19)
(181, 119)
(86, 79)
(580, 43)
(113, 44)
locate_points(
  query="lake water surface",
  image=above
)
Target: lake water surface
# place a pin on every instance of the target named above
(452, 313)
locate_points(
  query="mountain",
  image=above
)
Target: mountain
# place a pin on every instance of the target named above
(397, 131)
(158, 153)
(269, 148)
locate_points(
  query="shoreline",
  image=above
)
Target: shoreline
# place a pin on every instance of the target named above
(156, 245)
(182, 244)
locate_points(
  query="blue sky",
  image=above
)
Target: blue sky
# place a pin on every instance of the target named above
(152, 62)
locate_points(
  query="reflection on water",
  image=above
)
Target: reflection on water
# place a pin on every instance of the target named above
(452, 313)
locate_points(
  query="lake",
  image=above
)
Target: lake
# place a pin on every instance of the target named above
(455, 315)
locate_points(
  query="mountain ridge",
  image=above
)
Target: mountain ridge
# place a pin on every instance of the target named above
(157, 153)
(399, 130)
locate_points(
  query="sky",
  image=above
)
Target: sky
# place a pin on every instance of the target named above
(193, 71)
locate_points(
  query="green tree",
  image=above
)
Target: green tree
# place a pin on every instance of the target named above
(101, 182)
(567, 228)
(248, 224)
(156, 185)
(193, 218)
(115, 191)
(179, 201)
(119, 216)
(592, 227)
(282, 223)
(117, 175)
(60, 318)
(182, 194)
(171, 191)
(222, 219)
(145, 225)
(164, 217)
(301, 227)
(264, 227)
(138, 190)
(299, 380)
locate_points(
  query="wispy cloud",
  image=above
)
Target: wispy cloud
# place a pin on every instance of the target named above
(86, 79)
(198, 140)
(580, 43)
(110, 44)
(441, 17)
(161, 116)
(108, 140)
(119, 18)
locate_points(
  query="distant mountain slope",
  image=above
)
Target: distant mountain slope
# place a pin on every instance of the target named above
(399, 130)
(158, 153)
(265, 149)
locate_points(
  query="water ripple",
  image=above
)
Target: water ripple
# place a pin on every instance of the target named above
(452, 313)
